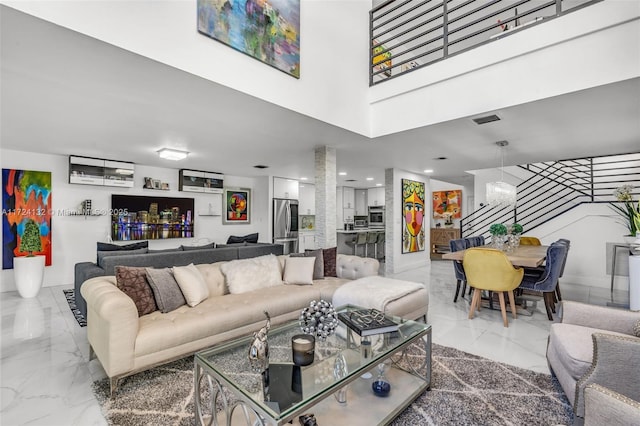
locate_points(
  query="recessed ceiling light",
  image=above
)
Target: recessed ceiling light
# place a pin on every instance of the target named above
(260, 166)
(303, 178)
(440, 158)
(342, 173)
(172, 154)
(378, 184)
(369, 178)
(427, 171)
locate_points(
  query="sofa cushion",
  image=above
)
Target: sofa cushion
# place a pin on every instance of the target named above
(133, 282)
(249, 238)
(318, 270)
(329, 260)
(246, 275)
(214, 278)
(169, 250)
(119, 247)
(191, 283)
(103, 254)
(166, 290)
(574, 346)
(203, 247)
(299, 270)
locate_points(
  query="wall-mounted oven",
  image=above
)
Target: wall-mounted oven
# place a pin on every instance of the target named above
(376, 217)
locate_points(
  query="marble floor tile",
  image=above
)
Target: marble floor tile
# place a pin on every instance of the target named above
(46, 376)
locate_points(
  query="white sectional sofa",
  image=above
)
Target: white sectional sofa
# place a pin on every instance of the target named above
(126, 343)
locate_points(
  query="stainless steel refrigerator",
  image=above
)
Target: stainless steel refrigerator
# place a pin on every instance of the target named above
(285, 224)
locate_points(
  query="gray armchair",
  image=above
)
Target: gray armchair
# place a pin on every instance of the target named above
(595, 344)
(602, 406)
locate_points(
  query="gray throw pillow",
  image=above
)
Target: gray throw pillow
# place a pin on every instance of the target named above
(103, 254)
(165, 289)
(165, 250)
(204, 247)
(318, 268)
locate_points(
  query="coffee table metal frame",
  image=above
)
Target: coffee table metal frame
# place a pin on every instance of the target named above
(255, 413)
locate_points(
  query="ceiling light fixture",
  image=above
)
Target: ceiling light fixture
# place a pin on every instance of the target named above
(369, 178)
(342, 173)
(501, 193)
(304, 178)
(427, 171)
(378, 184)
(172, 154)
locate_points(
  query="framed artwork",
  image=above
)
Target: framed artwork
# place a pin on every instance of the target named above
(236, 206)
(267, 31)
(413, 238)
(447, 204)
(26, 199)
(381, 59)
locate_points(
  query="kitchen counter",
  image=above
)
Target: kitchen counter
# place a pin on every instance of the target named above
(355, 231)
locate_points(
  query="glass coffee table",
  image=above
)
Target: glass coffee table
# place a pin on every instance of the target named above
(228, 392)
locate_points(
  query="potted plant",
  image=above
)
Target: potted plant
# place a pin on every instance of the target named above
(29, 270)
(515, 230)
(629, 210)
(498, 232)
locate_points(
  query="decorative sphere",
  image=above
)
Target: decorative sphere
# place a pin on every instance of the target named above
(381, 388)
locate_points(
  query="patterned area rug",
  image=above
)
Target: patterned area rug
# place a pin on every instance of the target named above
(466, 390)
(71, 300)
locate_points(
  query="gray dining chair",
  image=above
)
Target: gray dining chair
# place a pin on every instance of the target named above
(461, 279)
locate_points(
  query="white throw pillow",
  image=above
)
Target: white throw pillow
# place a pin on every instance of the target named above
(299, 270)
(251, 274)
(192, 284)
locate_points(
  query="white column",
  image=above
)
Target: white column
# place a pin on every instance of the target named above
(325, 165)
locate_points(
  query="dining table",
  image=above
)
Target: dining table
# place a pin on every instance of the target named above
(522, 256)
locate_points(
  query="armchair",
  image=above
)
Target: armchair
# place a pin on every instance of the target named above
(595, 344)
(604, 406)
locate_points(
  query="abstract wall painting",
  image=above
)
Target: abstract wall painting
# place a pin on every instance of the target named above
(447, 204)
(237, 206)
(26, 196)
(413, 239)
(268, 30)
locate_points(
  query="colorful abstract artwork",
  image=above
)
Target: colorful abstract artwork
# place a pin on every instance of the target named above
(447, 204)
(413, 238)
(268, 30)
(237, 205)
(381, 59)
(26, 199)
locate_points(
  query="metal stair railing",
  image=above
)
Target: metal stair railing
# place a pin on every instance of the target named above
(557, 187)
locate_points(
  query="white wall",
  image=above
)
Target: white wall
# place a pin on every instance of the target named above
(594, 46)
(333, 54)
(75, 237)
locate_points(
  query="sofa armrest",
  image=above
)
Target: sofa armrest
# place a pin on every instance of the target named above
(354, 267)
(600, 317)
(603, 404)
(112, 324)
(615, 366)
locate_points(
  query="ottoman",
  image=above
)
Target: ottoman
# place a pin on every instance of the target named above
(406, 299)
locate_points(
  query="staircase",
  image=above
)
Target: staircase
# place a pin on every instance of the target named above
(554, 188)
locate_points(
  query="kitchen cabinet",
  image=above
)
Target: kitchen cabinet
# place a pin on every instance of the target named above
(361, 202)
(307, 200)
(285, 188)
(347, 215)
(375, 196)
(197, 181)
(307, 241)
(439, 240)
(348, 198)
(97, 171)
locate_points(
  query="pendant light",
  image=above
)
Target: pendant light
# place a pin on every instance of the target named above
(501, 194)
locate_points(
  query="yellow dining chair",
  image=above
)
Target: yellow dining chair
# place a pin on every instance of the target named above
(490, 269)
(530, 241)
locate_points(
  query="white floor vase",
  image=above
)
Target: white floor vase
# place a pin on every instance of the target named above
(29, 274)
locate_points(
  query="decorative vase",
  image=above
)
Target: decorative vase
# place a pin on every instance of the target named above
(497, 241)
(381, 386)
(259, 349)
(29, 274)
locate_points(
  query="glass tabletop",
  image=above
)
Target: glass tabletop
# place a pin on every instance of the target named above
(286, 388)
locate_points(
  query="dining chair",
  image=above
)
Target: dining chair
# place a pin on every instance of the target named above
(490, 269)
(548, 281)
(372, 238)
(529, 241)
(379, 243)
(359, 240)
(461, 279)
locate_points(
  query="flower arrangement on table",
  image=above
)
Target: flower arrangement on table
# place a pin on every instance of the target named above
(630, 210)
(498, 229)
(515, 229)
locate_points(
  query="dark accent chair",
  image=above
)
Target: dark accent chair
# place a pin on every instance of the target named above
(461, 279)
(548, 281)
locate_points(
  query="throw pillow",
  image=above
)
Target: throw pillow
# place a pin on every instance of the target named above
(329, 258)
(103, 254)
(318, 270)
(249, 238)
(636, 329)
(133, 282)
(166, 291)
(120, 247)
(299, 270)
(204, 247)
(165, 250)
(246, 275)
(191, 283)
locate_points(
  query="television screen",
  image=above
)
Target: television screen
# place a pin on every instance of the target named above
(136, 217)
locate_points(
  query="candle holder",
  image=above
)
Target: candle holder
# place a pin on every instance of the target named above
(302, 347)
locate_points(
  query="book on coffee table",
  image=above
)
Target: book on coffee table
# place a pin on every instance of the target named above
(366, 322)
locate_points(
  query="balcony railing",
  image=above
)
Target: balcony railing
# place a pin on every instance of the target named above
(411, 34)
